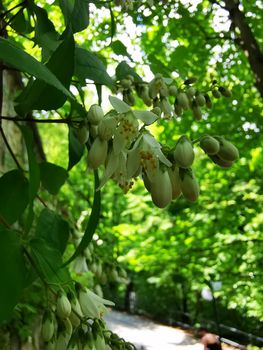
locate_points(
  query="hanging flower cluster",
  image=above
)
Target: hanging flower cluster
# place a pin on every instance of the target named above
(74, 322)
(122, 144)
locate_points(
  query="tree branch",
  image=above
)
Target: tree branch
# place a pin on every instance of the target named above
(247, 41)
(33, 120)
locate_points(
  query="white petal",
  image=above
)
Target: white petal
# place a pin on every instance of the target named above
(112, 165)
(146, 116)
(162, 157)
(119, 143)
(119, 105)
(133, 162)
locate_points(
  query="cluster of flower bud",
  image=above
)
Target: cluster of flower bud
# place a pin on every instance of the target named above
(127, 150)
(169, 100)
(75, 322)
(221, 151)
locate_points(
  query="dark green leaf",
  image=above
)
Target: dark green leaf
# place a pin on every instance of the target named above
(48, 262)
(19, 59)
(113, 23)
(20, 24)
(123, 69)
(14, 190)
(53, 229)
(80, 16)
(76, 13)
(34, 173)
(52, 177)
(93, 220)
(12, 272)
(75, 149)
(39, 94)
(88, 66)
(119, 48)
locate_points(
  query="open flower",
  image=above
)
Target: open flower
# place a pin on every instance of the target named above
(92, 305)
(146, 153)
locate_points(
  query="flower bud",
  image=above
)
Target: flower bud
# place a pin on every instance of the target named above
(225, 92)
(166, 108)
(183, 100)
(200, 99)
(221, 162)
(189, 185)
(208, 101)
(94, 131)
(106, 128)
(97, 153)
(157, 111)
(197, 113)
(63, 306)
(126, 83)
(216, 93)
(184, 153)
(48, 327)
(173, 90)
(178, 110)
(190, 92)
(175, 181)
(227, 150)
(161, 189)
(209, 145)
(83, 134)
(95, 114)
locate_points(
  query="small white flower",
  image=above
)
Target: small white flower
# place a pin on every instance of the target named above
(92, 305)
(80, 264)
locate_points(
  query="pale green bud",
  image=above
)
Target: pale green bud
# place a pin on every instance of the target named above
(63, 306)
(95, 114)
(97, 153)
(161, 189)
(189, 185)
(182, 100)
(106, 128)
(173, 90)
(210, 145)
(83, 134)
(184, 153)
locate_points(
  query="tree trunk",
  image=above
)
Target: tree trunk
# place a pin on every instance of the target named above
(246, 40)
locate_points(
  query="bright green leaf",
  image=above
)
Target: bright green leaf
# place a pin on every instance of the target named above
(19, 59)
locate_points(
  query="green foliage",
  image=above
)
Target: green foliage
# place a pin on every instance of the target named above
(12, 272)
(14, 194)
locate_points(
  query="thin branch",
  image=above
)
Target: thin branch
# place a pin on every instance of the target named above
(9, 148)
(2, 15)
(33, 120)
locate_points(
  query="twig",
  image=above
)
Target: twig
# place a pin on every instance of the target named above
(33, 120)
(9, 148)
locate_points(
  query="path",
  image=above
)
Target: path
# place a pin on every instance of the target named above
(147, 335)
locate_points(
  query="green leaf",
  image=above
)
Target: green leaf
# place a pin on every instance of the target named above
(119, 48)
(12, 272)
(75, 149)
(14, 190)
(20, 24)
(48, 262)
(89, 66)
(123, 69)
(93, 220)
(40, 95)
(53, 229)
(34, 172)
(19, 59)
(52, 177)
(80, 15)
